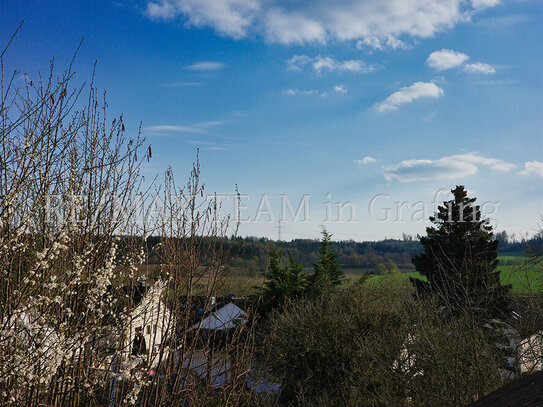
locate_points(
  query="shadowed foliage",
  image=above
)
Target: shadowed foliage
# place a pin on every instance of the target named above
(460, 259)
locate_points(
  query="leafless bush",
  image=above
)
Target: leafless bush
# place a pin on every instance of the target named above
(71, 247)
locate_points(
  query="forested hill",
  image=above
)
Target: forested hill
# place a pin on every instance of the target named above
(365, 255)
(250, 255)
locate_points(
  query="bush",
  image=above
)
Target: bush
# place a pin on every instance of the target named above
(376, 347)
(334, 348)
(446, 361)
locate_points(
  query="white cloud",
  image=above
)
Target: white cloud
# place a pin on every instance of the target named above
(206, 66)
(294, 92)
(481, 4)
(196, 128)
(163, 10)
(366, 160)
(450, 167)
(532, 167)
(181, 84)
(381, 43)
(493, 163)
(231, 18)
(167, 128)
(320, 64)
(340, 89)
(376, 23)
(503, 22)
(479, 67)
(286, 28)
(314, 92)
(297, 62)
(446, 59)
(408, 94)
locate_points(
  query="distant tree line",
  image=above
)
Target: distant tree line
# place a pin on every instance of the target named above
(249, 255)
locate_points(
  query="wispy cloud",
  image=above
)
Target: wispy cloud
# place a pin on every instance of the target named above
(294, 92)
(449, 167)
(181, 84)
(408, 94)
(446, 59)
(498, 82)
(503, 22)
(330, 64)
(168, 129)
(379, 44)
(162, 10)
(340, 89)
(297, 62)
(208, 145)
(366, 160)
(196, 128)
(481, 4)
(479, 67)
(206, 66)
(375, 23)
(320, 64)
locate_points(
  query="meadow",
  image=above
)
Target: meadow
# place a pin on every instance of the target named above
(524, 277)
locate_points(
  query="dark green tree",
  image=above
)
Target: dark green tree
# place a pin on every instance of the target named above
(282, 282)
(460, 259)
(328, 273)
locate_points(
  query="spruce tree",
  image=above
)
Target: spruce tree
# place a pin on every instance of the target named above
(282, 281)
(328, 273)
(460, 259)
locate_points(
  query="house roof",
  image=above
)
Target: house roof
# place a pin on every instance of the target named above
(204, 312)
(524, 392)
(223, 318)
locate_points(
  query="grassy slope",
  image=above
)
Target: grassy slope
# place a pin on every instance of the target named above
(523, 278)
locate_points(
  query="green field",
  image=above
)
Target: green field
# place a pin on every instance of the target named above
(524, 278)
(527, 278)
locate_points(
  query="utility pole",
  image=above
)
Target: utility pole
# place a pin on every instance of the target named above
(278, 230)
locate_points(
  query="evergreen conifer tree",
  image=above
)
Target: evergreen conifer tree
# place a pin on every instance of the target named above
(282, 281)
(328, 273)
(460, 259)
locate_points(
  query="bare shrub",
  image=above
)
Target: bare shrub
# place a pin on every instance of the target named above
(71, 250)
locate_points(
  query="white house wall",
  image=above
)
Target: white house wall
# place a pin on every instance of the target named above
(154, 318)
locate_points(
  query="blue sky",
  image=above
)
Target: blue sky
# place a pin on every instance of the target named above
(351, 98)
